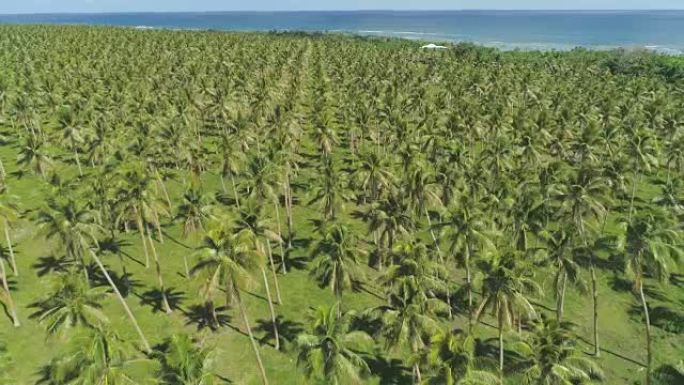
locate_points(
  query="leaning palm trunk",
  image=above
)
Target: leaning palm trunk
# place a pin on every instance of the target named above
(13, 261)
(8, 294)
(647, 318)
(146, 345)
(273, 271)
(157, 265)
(243, 312)
(272, 310)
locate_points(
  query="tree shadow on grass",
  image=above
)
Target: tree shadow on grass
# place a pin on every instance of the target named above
(154, 299)
(51, 264)
(124, 282)
(663, 317)
(287, 330)
(391, 371)
(488, 349)
(175, 240)
(668, 375)
(202, 317)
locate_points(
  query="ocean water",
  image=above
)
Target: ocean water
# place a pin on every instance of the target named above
(662, 31)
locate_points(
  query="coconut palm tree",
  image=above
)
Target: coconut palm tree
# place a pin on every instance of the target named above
(561, 256)
(651, 244)
(185, 361)
(468, 235)
(554, 357)
(407, 320)
(505, 287)
(71, 303)
(330, 352)
(582, 200)
(98, 358)
(452, 361)
(336, 261)
(73, 225)
(227, 262)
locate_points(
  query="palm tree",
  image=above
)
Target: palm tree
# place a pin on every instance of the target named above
(336, 259)
(184, 361)
(468, 234)
(505, 287)
(407, 320)
(74, 227)
(228, 262)
(330, 352)
(651, 242)
(554, 357)
(561, 256)
(581, 200)
(453, 361)
(32, 154)
(194, 211)
(71, 303)
(329, 193)
(98, 358)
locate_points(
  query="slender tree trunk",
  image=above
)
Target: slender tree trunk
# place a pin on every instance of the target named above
(163, 188)
(418, 378)
(647, 318)
(78, 163)
(637, 179)
(185, 265)
(432, 234)
(160, 279)
(501, 345)
(146, 345)
(594, 295)
(13, 261)
(469, 288)
(10, 301)
(223, 183)
(243, 312)
(157, 224)
(288, 206)
(273, 271)
(272, 310)
(141, 230)
(561, 297)
(3, 174)
(235, 194)
(280, 235)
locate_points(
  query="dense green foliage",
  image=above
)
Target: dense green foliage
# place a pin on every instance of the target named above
(205, 207)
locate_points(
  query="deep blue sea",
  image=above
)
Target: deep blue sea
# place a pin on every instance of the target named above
(662, 31)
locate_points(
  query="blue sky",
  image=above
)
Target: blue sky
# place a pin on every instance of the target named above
(34, 6)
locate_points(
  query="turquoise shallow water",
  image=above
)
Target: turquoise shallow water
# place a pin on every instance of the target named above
(662, 31)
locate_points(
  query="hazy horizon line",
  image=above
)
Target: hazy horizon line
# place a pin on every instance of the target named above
(345, 10)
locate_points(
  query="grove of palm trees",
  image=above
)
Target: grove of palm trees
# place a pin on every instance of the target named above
(185, 207)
